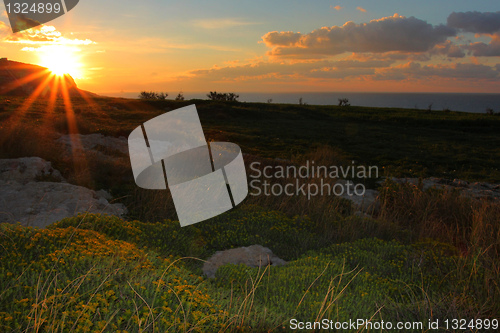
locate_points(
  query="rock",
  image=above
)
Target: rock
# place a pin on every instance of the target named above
(477, 190)
(28, 169)
(362, 215)
(367, 203)
(252, 256)
(97, 142)
(426, 183)
(104, 194)
(39, 203)
(432, 183)
(460, 183)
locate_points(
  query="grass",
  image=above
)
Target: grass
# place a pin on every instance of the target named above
(75, 280)
(402, 142)
(423, 255)
(96, 273)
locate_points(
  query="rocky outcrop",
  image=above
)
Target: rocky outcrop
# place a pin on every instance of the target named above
(104, 147)
(368, 202)
(252, 256)
(28, 169)
(478, 190)
(35, 194)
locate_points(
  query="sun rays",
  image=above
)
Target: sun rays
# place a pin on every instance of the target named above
(48, 93)
(61, 60)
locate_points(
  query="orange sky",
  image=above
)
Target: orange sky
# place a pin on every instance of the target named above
(340, 47)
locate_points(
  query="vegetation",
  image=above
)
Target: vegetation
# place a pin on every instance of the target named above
(180, 96)
(223, 97)
(76, 280)
(89, 274)
(151, 95)
(423, 255)
(344, 102)
(430, 144)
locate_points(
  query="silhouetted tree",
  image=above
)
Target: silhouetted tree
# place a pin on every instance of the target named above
(151, 95)
(180, 97)
(224, 97)
(344, 102)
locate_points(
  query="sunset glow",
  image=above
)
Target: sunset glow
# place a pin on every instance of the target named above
(61, 60)
(363, 47)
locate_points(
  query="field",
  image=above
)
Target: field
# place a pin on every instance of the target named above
(424, 254)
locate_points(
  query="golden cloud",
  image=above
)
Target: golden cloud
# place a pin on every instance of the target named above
(44, 35)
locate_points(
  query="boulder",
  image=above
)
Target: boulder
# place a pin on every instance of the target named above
(477, 190)
(252, 256)
(28, 169)
(366, 203)
(104, 145)
(26, 198)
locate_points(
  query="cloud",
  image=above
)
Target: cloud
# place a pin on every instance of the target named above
(337, 8)
(392, 56)
(415, 70)
(346, 69)
(348, 63)
(278, 70)
(221, 23)
(448, 49)
(395, 33)
(44, 35)
(476, 22)
(481, 49)
(361, 9)
(482, 23)
(4, 30)
(284, 38)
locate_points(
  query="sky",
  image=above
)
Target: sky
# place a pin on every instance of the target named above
(268, 46)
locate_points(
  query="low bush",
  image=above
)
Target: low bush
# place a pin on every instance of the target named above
(151, 95)
(223, 97)
(75, 280)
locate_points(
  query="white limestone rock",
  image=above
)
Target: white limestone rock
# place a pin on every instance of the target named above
(252, 256)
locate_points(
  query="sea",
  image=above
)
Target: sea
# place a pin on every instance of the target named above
(465, 102)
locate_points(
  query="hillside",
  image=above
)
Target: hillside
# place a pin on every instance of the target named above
(401, 142)
(423, 253)
(20, 79)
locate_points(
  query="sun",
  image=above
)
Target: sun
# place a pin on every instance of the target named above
(61, 60)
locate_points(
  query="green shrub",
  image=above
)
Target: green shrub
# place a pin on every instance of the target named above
(75, 280)
(356, 280)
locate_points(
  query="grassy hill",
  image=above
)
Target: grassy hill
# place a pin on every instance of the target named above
(20, 79)
(403, 142)
(424, 255)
